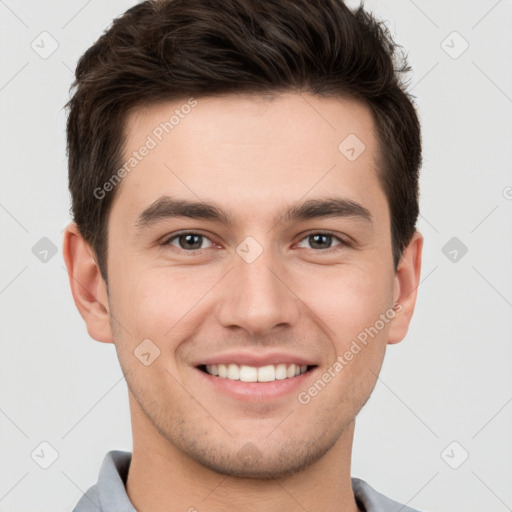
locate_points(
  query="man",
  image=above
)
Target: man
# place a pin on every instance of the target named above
(244, 189)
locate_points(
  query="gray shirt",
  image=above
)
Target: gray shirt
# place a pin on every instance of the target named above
(109, 493)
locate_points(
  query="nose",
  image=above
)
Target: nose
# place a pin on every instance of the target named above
(258, 296)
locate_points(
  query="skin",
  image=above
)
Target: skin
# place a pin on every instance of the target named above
(252, 157)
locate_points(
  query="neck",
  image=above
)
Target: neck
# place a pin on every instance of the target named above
(163, 478)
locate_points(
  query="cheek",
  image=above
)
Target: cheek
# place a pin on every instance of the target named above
(348, 300)
(350, 304)
(148, 315)
(156, 303)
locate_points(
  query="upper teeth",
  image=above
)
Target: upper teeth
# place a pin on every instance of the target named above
(255, 374)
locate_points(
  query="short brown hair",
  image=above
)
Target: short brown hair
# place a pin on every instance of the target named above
(164, 50)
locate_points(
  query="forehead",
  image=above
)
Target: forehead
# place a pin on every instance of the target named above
(246, 148)
(286, 118)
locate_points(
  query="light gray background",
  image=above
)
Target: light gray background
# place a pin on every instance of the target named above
(450, 380)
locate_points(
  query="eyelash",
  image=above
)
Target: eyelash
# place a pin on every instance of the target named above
(167, 241)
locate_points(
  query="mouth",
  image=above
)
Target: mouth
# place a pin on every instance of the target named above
(263, 374)
(249, 377)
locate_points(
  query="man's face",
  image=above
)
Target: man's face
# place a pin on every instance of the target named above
(258, 288)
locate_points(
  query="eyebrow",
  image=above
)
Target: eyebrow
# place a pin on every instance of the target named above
(167, 207)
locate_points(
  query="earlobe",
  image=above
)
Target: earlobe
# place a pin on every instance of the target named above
(87, 285)
(407, 280)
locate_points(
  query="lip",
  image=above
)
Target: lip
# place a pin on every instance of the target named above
(252, 359)
(256, 391)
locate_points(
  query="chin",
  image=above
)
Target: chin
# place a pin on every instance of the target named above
(262, 463)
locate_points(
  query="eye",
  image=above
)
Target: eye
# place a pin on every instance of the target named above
(188, 241)
(321, 240)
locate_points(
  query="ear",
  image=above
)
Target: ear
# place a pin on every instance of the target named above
(407, 280)
(87, 285)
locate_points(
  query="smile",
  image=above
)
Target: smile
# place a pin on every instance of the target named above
(244, 373)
